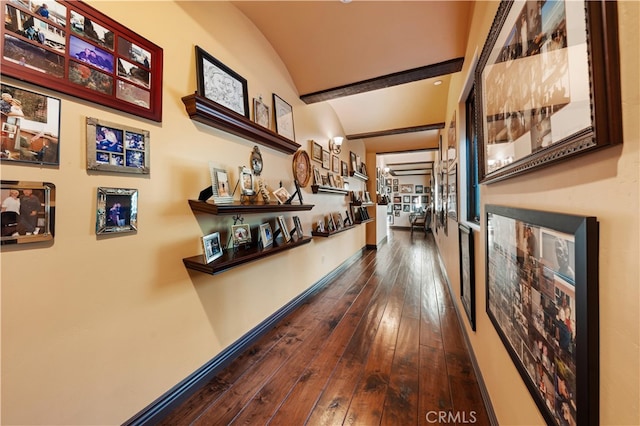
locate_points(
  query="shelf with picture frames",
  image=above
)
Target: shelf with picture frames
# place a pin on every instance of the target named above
(359, 175)
(320, 189)
(215, 115)
(246, 208)
(330, 234)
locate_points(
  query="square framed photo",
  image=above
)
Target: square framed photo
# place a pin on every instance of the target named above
(547, 85)
(266, 235)
(212, 247)
(282, 224)
(114, 147)
(316, 151)
(284, 117)
(261, 113)
(282, 195)
(241, 234)
(116, 210)
(30, 126)
(542, 299)
(28, 211)
(221, 84)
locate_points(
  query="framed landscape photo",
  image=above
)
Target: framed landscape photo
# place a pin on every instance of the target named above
(81, 52)
(116, 210)
(261, 113)
(212, 247)
(284, 117)
(117, 148)
(542, 299)
(30, 127)
(467, 273)
(221, 84)
(548, 85)
(28, 211)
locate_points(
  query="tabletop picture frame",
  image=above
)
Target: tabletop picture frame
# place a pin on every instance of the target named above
(116, 210)
(539, 99)
(118, 148)
(211, 72)
(284, 117)
(542, 299)
(212, 247)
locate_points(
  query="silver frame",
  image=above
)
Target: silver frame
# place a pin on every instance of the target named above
(102, 212)
(48, 205)
(92, 151)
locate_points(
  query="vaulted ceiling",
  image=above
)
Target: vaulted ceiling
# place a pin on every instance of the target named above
(375, 62)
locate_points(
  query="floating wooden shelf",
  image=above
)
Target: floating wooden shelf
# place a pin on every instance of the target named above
(359, 175)
(329, 234)
(360, 222)
(240, 208)
(328, 190)
(232, 258)
(215, 115)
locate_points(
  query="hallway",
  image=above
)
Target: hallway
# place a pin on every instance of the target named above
(381, 344)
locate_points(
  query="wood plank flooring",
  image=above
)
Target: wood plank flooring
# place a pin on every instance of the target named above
(380, 345)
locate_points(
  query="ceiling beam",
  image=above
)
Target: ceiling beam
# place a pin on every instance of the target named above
(447, 67)
(391, 132)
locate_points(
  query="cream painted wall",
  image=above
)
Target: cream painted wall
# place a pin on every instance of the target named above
(96, 328)
(602, 184)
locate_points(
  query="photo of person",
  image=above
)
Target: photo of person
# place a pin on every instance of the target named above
(108, 139)
(212, 247)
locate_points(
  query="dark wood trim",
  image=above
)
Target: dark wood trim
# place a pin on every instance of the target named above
(320, 189)
(162, 406)
(411, 151)
(399, 131)
(239, 208)
(330, 234)
(421, 73)
(215, 115)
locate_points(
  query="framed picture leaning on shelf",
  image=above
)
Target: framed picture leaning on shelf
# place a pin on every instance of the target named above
(212, 247)
(284, 117)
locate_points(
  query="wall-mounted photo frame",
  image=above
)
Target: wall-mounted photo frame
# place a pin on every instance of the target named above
(548, 85)
(344, 169)
(266, 236)
(335, 164)
(316, 151)
(326, 159)
(467, 273)
(452, 141)
(28, 211)
(114, 147)
(30, 127)
(284, 117)
(406, 188)
(212, 247)
(542, 299)
(452, 192)
(219, 83)
(116, 210)
(81, 52)
(261, 113)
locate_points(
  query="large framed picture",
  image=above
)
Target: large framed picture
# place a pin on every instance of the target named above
(284, 117)
(542, 298)
(548, 85)
(30, 126)
(28, 211)
(221, 84)
(117, 148)
(116, 210)
(467, 273)
(212, 247)
(70, 47)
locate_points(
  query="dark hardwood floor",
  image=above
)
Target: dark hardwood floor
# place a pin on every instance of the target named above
(380, 345)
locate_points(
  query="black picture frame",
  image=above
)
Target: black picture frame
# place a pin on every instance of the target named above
(531, 90)
(30, 126)
(542, 299)
(467, 273)
(283, 113)
(84, 54)
(211, 72)
(28, 216)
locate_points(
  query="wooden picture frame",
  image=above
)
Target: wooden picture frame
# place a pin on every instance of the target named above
(116, 210)
(542, 299)
(118, 148)
(83, 53)
(316, 151)
(467, 273)
(211, 73)
(212, 247)
(539, 100)
(28, 211)
(284, 118)
(30, 127)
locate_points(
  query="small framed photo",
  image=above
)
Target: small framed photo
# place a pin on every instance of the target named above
(284, 117)
(261, 113)
(220, 185)
(335, 164)
(266, 236)
(30, 126)
(221, 84)
(298, 225)
(406, 188)
(113, 147)
(212, 247)
(354, 161)
(316, 151)
(117, 210)
(283, 228)
(246, 181)
(282, 195)
(344, 168)
(241, 234)
(317, 179)
(28, 211)
(419, 189)
(326, 159)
